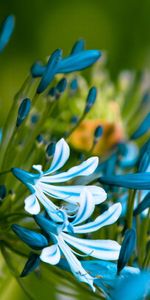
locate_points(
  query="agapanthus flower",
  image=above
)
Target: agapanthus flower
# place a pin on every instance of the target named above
(45, 183)
(63, 237)
(78, 59)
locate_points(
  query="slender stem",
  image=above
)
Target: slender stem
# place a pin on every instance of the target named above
(4, 172)
(130, 208)
(75, 127)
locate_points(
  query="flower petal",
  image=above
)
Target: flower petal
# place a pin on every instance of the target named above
(108, 217)
(61, 155)
(32, 205)
(84, 169)
(72, 193)
(86, 207)
(75, 264)
(102, 249)
(51, 255)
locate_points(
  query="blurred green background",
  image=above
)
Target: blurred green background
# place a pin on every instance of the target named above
(119, 27)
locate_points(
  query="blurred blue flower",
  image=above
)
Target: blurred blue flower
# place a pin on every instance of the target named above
(6, 31)
(139, 181)
(143, 128)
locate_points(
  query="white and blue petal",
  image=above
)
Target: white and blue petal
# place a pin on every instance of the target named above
(32, 205)
(60, 157)
(71, 193)
(86, 207)
(110, 216)
(51, 255)
(84, 169)
(75, 264)
(102, 249)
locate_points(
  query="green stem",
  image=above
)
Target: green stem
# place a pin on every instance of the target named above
(130, 208)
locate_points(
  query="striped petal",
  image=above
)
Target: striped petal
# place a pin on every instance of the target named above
(84, 169)
(110, 216)
(102, 249)
(32, 205)
(72, 193)
(61, 155)
(86, 207)
(51, 255)
(75, 265)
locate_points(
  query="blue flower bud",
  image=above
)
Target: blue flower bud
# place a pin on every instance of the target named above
(34, 118)
(74, 85)
(127, 249)
(3, 192)
(37, 69)
(40, 139)
(139, 181)
(74, 120)
(6, 31)
(1, 135)
(31, 264)
(91, 98)
(52, 92)
(23, 111)
(78, 47)
(50, 70)
(142, 205)
(33, 239)
(50, 149)
(79, 61)
(143, 128)
(61, 85)
(98, 133)
(48, 226)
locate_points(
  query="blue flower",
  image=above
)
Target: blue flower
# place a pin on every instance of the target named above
(44, 184)
(6, 31)
(78, 60)
(61, 236)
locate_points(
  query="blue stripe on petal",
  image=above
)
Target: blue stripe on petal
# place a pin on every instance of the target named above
(75, 265)
(32, 205)
(102, 249)
(72, 193)
(86, 207)
(84, 169)
(110, 216)
(51, 255)
(60, 157)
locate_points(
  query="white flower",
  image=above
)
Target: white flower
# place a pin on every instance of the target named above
(44, 185)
